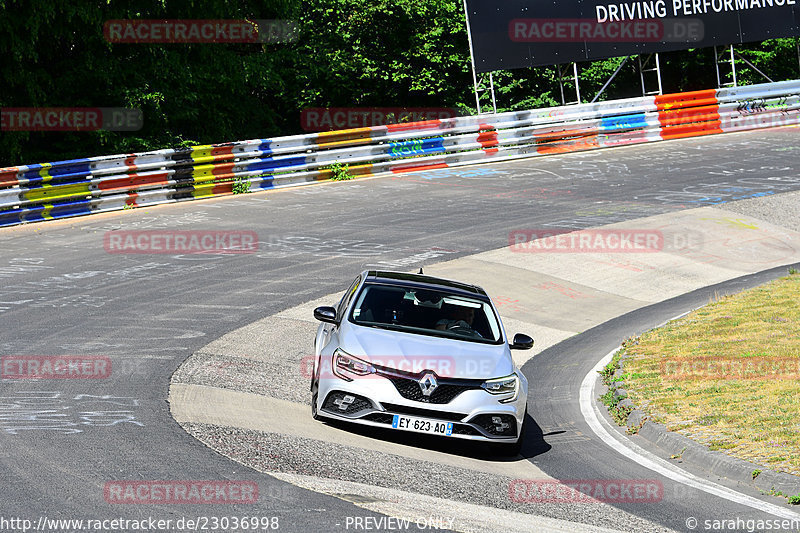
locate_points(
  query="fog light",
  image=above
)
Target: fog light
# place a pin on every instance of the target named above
(344, 403)
(499, 425)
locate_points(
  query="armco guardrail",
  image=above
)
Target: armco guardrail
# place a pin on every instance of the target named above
(98, 184)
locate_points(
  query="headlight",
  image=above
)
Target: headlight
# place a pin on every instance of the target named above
(344, 364)
(506, 385)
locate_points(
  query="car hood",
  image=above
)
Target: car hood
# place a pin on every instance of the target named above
(414, 353)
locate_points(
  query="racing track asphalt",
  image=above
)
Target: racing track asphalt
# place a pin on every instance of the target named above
(221, 397)
(62, 293)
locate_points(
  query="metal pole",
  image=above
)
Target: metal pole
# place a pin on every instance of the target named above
(716, 63)
(577, 84)
(641, 73)
(658, 72)
(491, 87)
(740, 56)
(612, 79)
(472, 60)
(733, 67)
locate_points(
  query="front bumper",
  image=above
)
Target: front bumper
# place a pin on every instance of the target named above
(475, 414)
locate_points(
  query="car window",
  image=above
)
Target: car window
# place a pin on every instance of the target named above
(426, 312)
(345, 301)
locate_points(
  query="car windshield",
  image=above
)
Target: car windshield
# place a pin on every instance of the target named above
(426, 312)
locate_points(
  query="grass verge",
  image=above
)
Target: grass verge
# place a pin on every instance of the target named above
(727, 375)
(612, 399)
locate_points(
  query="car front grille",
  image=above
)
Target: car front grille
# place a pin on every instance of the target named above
(380, 418)
(446, 391)
(463, 429)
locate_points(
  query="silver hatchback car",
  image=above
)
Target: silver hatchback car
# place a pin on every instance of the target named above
(415, 353)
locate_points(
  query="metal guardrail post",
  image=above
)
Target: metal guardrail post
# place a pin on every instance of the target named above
(656, 69)
(491, 88)
(718, 60)
(562, 76)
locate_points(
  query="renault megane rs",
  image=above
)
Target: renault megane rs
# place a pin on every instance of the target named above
(415, 353)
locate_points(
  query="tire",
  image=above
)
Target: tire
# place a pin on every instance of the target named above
(314, 397)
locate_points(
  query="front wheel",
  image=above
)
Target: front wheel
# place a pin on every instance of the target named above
(314, 413)
(314, 396)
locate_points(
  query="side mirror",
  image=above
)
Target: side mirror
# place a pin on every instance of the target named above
(325, 314)
(522, 342)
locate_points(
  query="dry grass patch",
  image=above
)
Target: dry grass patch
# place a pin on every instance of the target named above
(728, 375)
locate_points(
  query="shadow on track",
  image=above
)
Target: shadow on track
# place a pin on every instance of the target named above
(532, 446)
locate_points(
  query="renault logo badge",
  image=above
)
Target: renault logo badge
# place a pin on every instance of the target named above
(428, 383)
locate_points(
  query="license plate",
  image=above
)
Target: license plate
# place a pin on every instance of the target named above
(422, 425)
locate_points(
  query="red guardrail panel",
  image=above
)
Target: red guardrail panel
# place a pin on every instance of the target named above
(690, 99)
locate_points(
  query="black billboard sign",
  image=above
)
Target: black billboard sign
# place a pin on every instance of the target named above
(509, 34)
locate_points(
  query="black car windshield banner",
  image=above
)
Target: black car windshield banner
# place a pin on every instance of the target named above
(509, 34)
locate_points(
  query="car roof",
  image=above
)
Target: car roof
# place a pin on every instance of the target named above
(423, 281)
